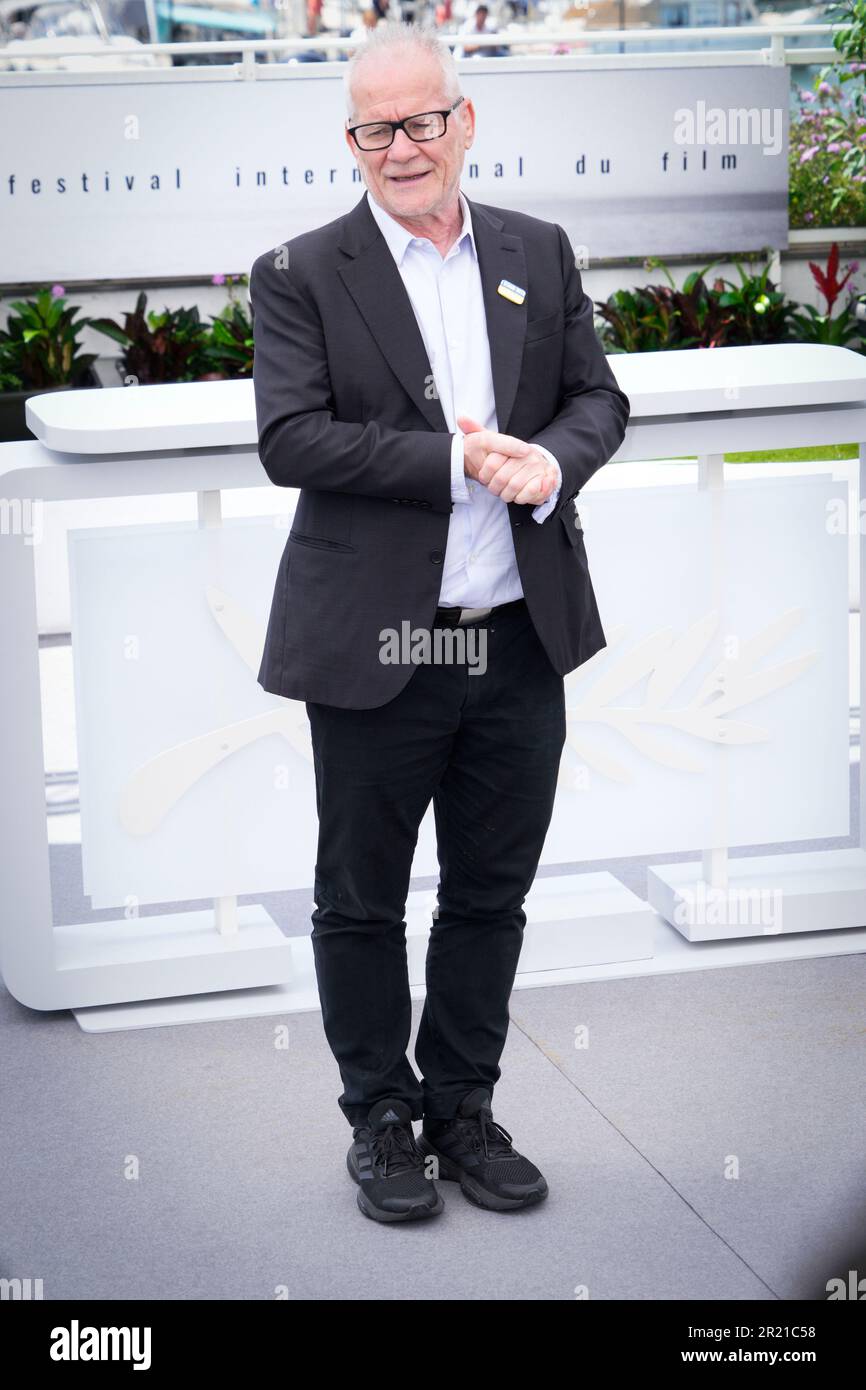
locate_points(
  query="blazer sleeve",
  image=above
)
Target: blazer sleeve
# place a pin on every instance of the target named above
(590, 423)
(301, 444)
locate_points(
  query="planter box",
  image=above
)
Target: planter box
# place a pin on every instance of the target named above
(12, 422)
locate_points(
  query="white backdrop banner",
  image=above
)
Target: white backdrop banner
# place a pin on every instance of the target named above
(195, 172)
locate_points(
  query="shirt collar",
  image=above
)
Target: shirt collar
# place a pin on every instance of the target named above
(399, 239)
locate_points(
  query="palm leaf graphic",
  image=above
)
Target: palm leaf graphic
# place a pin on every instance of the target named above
(683, 657)
(631, 667)
(732, 685)
(751, 651)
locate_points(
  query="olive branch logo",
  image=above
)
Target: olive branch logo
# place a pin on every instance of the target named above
(662, 658)
(665, 660)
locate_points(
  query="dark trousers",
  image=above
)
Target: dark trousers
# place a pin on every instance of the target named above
(486, 748)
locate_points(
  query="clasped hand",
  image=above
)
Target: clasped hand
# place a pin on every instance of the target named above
(508, 467)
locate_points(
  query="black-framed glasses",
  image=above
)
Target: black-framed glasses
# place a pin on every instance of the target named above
(378, 135)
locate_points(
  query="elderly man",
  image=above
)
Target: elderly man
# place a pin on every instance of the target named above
(427, 374)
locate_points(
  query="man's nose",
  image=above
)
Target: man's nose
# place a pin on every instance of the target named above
(402, 146)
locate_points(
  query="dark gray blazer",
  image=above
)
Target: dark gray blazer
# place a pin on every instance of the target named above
(346, 412)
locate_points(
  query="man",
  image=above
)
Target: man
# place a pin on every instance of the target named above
(477, 23)
(394, 347)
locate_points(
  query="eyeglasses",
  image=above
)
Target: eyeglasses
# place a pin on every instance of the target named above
(378, 135)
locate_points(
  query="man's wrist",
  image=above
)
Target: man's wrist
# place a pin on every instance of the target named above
(459, 490)
(543, 510)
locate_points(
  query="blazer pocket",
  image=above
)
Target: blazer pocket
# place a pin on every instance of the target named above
(319, 542)
(544, 327)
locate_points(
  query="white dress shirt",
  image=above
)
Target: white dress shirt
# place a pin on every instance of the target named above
(480, 567)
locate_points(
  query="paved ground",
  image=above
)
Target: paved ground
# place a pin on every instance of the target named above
(707, 1144)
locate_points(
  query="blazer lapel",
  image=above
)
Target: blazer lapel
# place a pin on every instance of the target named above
(373, 280)
(501, 257)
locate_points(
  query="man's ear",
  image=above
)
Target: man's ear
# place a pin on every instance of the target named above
(470, 122)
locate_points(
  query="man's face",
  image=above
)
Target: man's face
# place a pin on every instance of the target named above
(388, 91)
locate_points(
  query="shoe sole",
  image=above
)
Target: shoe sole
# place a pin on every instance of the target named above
(414, 1213)
(473, 1190)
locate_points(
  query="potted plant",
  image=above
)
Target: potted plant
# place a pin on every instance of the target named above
(658, 318)
(229, 348)
(700, 314)
(39, 352)
(176, 345)
(157, 347)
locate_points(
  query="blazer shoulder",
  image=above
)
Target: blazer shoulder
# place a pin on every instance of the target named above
(304, 247)
(523, 223)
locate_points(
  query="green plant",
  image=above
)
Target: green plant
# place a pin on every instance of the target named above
(698, 311)
(820, 192)
(229, 347)
(755, 311)
(848, 162)
(731, 314)
(159, 347)
(40, 347)
(9, 379)
(657, 318)
(636, 320)
(661, 317)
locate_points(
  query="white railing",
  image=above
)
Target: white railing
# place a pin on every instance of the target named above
(770, 48)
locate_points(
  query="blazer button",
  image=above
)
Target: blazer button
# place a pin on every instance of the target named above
(436, 556)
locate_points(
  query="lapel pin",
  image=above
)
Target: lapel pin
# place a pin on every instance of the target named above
(513, 292)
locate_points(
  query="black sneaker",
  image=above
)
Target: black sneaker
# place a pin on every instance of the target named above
(388, 1169)
(475, 1151)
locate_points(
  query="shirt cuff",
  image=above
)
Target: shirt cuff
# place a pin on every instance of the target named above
(459, 490)
(543, 510)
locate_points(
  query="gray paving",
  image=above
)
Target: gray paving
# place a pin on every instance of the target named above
(707, 1143)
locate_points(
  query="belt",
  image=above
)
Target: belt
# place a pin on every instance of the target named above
(460, 617)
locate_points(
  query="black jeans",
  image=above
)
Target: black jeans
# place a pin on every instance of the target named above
(486, 747)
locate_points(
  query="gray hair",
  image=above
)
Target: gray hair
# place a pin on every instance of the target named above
(393, 40)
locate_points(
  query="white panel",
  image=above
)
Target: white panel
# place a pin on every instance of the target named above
(153, 673)
(649, 552)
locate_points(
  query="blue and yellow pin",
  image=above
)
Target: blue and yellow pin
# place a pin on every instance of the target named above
(509, 291)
